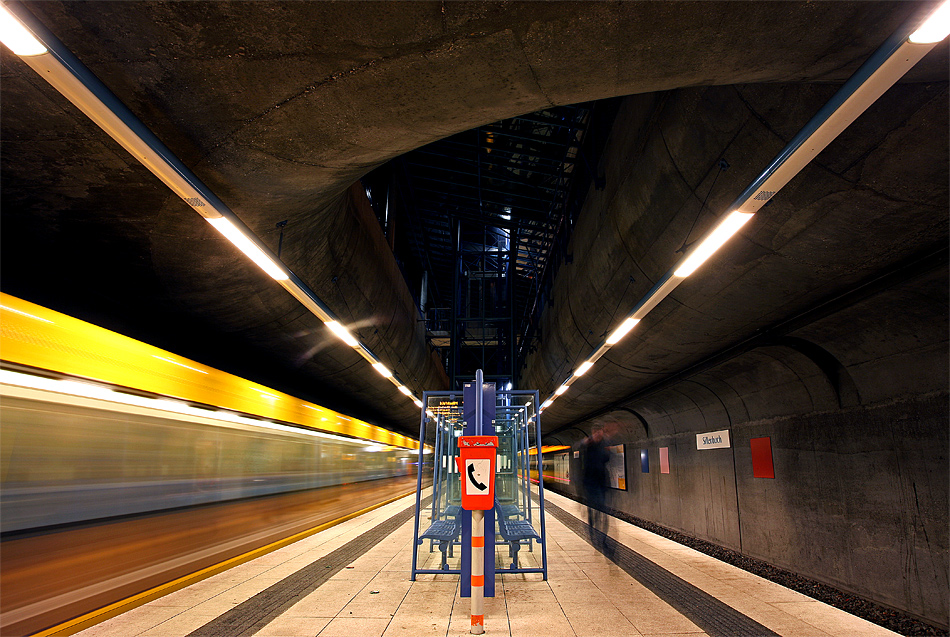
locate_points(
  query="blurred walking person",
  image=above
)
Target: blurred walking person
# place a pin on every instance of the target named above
(595, 456)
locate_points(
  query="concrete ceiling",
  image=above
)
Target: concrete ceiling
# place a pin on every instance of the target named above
(280, 107)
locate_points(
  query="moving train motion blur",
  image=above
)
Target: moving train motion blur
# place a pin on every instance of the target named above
(555, 464)
(555, 467)
(95, 425)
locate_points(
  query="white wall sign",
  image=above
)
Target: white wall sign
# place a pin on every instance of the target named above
(477, 476)
(713, 440)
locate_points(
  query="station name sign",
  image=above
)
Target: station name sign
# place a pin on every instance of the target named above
(713, 440)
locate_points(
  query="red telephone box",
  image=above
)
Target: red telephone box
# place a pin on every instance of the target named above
(476, 463)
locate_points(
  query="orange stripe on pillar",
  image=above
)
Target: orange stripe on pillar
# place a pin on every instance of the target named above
(478, 620)
(478, 541)
(478, 580)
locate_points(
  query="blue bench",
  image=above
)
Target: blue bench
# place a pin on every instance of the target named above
(445, 532)
(514, 531)
(506, 511)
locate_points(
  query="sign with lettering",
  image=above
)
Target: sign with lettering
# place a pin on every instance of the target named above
(713, 440)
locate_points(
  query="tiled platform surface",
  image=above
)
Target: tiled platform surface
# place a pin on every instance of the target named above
(585, 595)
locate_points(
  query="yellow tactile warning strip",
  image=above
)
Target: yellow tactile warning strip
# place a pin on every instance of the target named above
(82, 622)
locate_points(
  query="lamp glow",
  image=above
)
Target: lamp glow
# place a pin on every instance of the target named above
(16, 36)
(405, 390)
(621, 331)
(546, 403)
(417, 402)
(582, 368)
(248, 247)
(935, 28)
(713, 242)
(342, 333)
(560, 390)
(379, 367)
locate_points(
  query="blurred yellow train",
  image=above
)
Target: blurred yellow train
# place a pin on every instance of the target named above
(94, 424)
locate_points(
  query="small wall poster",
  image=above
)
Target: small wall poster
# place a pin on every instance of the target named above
(644, 461)
(664, 459)
(617, 468)
(762, 458)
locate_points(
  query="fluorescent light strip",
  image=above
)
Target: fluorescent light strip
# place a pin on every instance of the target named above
(405, 390)
(713, 241)
(560, 390)
(383, 370)
(417, 402)
(17, 37)
(582, 369)
(343, 333)
(168, 360)
(248, 247)
(935, 28)
(36, 318)
(621, 331)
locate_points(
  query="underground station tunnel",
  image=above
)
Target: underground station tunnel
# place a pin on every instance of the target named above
(435, 318)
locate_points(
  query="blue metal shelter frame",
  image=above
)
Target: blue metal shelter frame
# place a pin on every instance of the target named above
(516, 421)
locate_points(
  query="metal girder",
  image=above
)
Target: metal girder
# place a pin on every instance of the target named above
(507, 193)
(519, 182)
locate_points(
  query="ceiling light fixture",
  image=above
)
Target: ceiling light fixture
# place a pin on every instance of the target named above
(343, 333)
(713, 241)
(17, 37)
(405, 390)
(383, 370)
(621, 331)
(583, 367)
(935, 28)
(560, 390)
(248, 247)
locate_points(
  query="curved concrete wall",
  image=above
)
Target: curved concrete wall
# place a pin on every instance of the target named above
(854, 397)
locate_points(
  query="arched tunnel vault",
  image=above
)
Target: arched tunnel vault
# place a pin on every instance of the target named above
(280, 106)
(846, 218)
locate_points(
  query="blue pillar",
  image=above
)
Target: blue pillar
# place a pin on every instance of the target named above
(473, 428)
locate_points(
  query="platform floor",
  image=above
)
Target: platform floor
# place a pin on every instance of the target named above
(282, 594)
